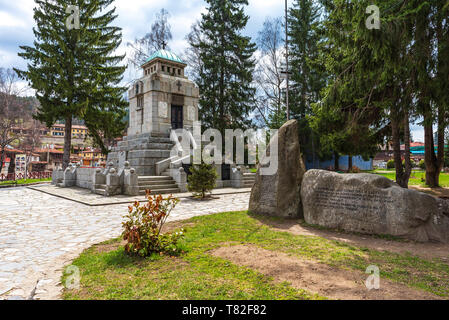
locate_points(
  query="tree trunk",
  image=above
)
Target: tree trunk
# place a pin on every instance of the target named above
(2, 159)
(67, 142)
(441, 136)
(407, 160)
(396, 141)
(432, 174)
(349, 163)
(336, 161)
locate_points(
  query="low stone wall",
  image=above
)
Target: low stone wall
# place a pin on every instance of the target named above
(84, 177)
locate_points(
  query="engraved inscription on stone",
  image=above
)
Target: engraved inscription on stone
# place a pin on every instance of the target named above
(351, 200)
(163, 109)
(268, 199)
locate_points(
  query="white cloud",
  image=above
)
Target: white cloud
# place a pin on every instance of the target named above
(8, 20)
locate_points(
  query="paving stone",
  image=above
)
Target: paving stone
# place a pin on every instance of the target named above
(40, 234)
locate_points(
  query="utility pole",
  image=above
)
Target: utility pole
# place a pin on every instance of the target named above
(286, 58)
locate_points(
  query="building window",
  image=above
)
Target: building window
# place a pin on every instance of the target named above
(163, 68)
(140, 102)
(179, 72)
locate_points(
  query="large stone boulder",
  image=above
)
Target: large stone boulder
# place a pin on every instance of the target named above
(372, 204)
(278, 194)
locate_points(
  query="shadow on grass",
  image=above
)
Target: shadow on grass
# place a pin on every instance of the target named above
(315, 230)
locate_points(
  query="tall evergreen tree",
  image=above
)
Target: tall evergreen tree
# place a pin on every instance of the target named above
(225, 81)
(305, 34)
(308, 75)
(75, 72)
(346, 120)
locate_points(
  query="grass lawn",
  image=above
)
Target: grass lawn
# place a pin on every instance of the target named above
(23, 181)
(108, 273)
(416, 178)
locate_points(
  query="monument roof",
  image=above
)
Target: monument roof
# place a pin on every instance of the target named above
(166, 55)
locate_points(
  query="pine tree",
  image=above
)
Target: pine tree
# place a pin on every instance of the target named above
(75, 72)
(202, 179)
(305, 34)
(308, 76)
(346, 123)
(225, 81)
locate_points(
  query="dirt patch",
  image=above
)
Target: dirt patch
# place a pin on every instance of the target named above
(316, 277)
(108, 247)
(424, 250)
(437, 192)
(171, 226)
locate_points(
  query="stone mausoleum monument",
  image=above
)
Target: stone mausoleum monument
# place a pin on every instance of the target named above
(161, 101)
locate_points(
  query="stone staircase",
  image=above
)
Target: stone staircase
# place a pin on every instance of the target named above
(142, 152)
(157, 185)
(249, 179)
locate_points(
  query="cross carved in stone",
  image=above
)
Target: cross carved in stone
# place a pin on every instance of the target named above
(179, 84)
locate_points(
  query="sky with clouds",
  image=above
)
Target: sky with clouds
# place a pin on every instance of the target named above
(135, 18)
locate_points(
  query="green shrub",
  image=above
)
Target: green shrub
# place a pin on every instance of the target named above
(422, 164)
(202, 179)
(390, 164)
(412, 163)
(143, 225)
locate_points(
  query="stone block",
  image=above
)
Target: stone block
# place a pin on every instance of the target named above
(372, 204)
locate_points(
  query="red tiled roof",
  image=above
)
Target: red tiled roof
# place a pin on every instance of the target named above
(417, 144)
(12, 150)
(49, 150)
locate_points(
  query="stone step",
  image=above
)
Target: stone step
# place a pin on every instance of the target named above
(146, 135)
(162, 191)
(101, 192)
(158, 183)
(159, 146)
(148, 153)
(154, 178)
(155, 187)
(145, 140)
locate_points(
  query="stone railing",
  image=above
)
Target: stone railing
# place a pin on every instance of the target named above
(107, 182)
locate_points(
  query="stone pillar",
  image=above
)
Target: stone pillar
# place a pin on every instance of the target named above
(237, 177)
(69, 179)
(131, 183)
(57, 177)
(98, 179)
(180, 177)
(112, 183)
